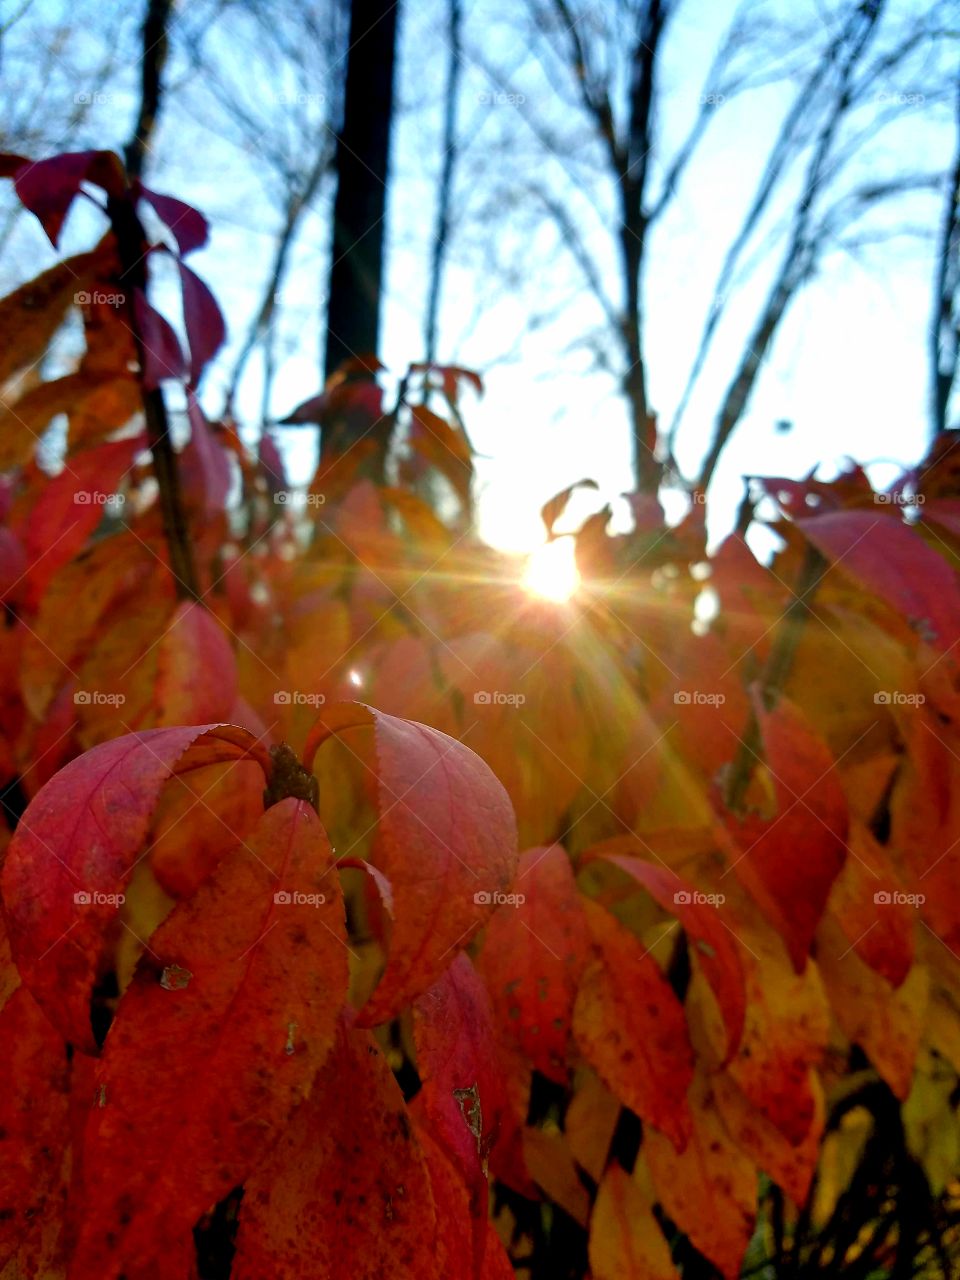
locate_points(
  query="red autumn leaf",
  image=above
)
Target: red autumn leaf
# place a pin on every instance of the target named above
(446, 841)
(463, 1088)
(790, 1165)
(789, 860)
(630, 1027)
(187, 225)
(889, 559)
(451, 375)
(345, 1193)
(271, 463)
(205, 464)
(162, 355)
(458, 1256)
(551, 511)
(72, 504)
(231, 1013)
(196, 669)
(533, 956)
(34, 1130)
(13, 564)
(206, 330)
(49, 187)
(713, 945)
(443, 446)
(74, 850)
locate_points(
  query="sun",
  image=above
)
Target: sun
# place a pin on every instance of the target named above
(551, 571)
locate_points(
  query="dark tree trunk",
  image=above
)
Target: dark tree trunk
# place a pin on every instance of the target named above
(361, 163)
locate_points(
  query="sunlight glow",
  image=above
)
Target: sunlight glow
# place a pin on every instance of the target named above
(355, 678)
(551, 571)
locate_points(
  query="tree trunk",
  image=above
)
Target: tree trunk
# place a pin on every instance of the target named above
(361, 163)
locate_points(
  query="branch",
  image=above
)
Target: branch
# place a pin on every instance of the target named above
(298, 205)
(155, 48)
(944, 342)
(132, 249)
(774, 677)
(442, 228)
(782, 152)
(802, 251)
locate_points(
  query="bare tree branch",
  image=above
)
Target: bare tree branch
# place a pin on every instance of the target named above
(945, 319)
(444, 194)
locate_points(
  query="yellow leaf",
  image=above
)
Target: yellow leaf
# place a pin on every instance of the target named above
(625, 1241)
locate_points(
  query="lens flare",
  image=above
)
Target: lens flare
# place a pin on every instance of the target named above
(551, 571)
